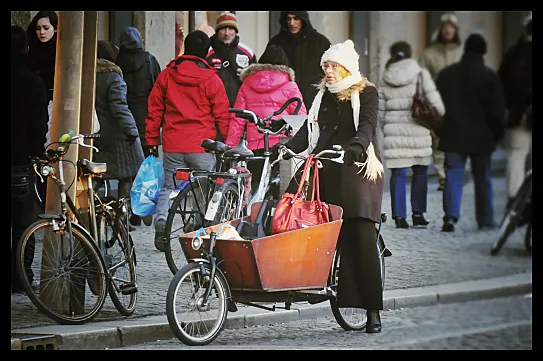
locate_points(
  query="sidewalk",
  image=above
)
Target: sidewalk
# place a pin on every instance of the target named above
(427, 266)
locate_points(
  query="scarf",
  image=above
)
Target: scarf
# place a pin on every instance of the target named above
(372, 166)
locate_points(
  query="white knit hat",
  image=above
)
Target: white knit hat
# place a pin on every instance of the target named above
(344, 54)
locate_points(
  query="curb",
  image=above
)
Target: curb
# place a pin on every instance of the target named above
(114, 334)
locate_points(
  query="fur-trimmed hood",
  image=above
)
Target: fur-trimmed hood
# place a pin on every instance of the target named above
(401, 72)
(265, 78)
(105, 66)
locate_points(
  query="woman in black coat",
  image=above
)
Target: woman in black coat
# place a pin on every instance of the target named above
(119, 141)
(42, 47)
(344, 112)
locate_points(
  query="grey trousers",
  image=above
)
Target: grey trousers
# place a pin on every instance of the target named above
(200, 161)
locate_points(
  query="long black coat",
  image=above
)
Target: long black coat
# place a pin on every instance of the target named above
(340, 184)
(116, 123)
(475, 107)
(140, 70)
(304, 51)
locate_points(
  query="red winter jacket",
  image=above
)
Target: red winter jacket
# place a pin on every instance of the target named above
(264, 90)
(186, 100)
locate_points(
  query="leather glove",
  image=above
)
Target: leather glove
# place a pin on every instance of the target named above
(353, 153)
(131, 139)
(153, 150)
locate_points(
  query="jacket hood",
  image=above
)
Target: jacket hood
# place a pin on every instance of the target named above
(130, 39)
(265, 78)
(106, 66)
(189, 70)
(402, 72)
(307, 27)
(132, 60)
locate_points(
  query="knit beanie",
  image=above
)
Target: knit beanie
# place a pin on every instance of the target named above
(476, 44)
(197, 43)
(227, 19)
(448, 18)
(344, 54)
(275, 55)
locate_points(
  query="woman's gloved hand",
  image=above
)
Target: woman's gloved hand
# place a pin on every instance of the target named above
(131, 139)
(353, 153)
(153, 150)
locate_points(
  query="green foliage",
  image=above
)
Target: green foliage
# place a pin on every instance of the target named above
(21, 18)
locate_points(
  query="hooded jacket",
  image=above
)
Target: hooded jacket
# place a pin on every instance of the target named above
(304, 51)
(140, 70)
(116, 124)
(406, 143)
(473, 96)
(440, 55)
(230, 60)
(186, 101)
(264, 90)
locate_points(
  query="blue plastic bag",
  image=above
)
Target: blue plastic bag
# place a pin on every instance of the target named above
(146, 187)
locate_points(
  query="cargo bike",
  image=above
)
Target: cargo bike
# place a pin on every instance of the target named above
(295, 266)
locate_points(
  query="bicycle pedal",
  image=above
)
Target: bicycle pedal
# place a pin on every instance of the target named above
(128, 288)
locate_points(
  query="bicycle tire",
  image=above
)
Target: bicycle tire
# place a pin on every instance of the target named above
(120, 250)
(181, 221)
(86, 266)
(228, 203)
(203, 319)
(528, 237)
(511, 218)
(341, 313)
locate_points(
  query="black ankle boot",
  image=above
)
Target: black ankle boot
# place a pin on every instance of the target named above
(373, 324)
(419, 220)
(401, 222)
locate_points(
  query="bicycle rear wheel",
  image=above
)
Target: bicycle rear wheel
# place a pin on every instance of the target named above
(186, 214)
(120, 260)
(54, 280)
(512, 216)
(228, 205)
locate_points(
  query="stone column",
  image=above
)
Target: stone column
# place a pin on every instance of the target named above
(157, 29)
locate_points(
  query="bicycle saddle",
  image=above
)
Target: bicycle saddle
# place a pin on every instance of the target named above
(239, 151)
(91, 167)
(214, 146)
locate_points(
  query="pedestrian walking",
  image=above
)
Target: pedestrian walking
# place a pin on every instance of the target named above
(140, 71)
(266, 87)
(516, 77)
(28, 127)
(444, 50)
(344, 112)
(473, 126)
(119, 141)
(187, 100)
(407, 144)
(228, 55)
(304, 47)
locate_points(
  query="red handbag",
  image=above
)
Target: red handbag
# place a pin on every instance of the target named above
(294, 211)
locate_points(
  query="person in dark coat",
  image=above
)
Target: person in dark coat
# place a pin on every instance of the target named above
(304, 47)
(42, 43)
(140, 71)
(119, 141)
(28, 127)
(228, 55)
(516, 76)
(344, 112)
(473, 126)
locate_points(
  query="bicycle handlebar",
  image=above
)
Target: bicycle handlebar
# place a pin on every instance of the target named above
(335, 154)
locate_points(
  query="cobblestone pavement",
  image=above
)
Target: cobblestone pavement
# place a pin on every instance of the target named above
(421, 257)
(493, 324)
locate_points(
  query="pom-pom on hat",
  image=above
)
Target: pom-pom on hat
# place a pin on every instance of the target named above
(227, 19)
(344, 54)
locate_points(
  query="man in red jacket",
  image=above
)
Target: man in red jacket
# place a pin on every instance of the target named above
(186, 101)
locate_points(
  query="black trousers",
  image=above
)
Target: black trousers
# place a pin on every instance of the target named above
(24, 211)
(359, 283)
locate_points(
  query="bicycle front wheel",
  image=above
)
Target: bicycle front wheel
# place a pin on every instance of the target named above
(194, 320)
(186, 214)
(55, 272)
(120, 260)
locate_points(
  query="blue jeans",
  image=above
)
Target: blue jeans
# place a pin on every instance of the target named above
(482, 178)
(419, 190)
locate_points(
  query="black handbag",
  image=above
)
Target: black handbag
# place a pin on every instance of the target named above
(261, 227)
(423, 111)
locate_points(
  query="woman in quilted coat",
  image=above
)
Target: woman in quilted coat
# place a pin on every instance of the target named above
(266, 87)
(406, 143)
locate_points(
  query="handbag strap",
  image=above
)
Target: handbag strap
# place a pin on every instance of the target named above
(420, 88)
(307, 168)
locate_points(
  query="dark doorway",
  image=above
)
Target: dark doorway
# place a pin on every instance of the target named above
(118, 20)
(359, 32)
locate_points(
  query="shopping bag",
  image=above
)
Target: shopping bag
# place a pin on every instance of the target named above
(146, 187)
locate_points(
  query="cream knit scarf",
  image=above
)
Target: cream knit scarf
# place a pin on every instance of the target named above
(372, 165)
